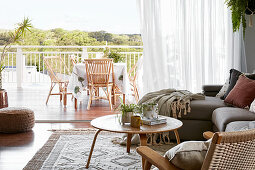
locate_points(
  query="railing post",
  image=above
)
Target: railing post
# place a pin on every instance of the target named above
(20, 63)
(84, 53)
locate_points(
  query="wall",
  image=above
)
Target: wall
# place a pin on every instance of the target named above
(250, 46)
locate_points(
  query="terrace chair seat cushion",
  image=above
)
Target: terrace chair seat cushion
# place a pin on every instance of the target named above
(15, 120)
(63, 77)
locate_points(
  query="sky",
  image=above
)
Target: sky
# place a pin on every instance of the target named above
(114, 16)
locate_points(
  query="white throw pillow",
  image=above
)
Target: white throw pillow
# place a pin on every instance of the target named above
(252, 106)
(188, 155)
(223, 89)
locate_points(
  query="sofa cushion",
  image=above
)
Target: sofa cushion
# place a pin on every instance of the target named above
(240, 125)
(234, 75)
(202, 109)
(223, 89)
(211, 90)
(252, 106)
(222, 116)
(237, 126)
(243, 93)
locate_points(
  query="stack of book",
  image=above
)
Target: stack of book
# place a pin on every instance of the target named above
(157, 121)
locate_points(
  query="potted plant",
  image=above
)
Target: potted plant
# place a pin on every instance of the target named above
(117, 58)
(15, 36)
(239, 8)
(150, 110)
(127, 110)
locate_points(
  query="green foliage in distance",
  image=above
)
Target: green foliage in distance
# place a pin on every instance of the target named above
(61, 37)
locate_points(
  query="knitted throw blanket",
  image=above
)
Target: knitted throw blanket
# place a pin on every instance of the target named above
(171, 102)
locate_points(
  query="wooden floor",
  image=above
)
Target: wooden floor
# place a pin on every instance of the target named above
(34, 97)
(17, 149)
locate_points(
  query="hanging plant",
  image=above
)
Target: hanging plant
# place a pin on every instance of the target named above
(239, 8)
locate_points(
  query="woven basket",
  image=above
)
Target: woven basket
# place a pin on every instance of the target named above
(15, 120)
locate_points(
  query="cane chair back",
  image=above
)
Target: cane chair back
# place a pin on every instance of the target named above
(56, 68)
(98, 71)
(231, 150)
(98, 76)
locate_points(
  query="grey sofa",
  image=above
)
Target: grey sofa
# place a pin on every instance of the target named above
(211, 114)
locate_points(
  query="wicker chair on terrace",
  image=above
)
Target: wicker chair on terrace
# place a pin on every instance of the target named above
(98, 75)
(58, 73)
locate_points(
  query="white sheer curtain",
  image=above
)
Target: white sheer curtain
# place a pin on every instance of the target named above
(188, 43)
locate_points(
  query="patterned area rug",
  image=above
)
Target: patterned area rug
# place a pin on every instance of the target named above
(70, 149)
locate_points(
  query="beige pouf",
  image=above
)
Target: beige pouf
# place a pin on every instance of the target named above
(16, 119)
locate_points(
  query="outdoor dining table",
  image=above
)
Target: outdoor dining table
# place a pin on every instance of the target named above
(78, 80)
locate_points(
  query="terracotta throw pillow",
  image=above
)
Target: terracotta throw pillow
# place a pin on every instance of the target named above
(243, 92)
(234, 75)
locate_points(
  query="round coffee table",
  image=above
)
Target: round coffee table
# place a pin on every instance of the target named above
(111, 123)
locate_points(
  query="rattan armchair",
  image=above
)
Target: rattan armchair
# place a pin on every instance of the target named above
(98, 75)
(228, 150)
(58, 72)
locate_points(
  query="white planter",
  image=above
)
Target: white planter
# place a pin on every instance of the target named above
(151, 112)
(126, 118)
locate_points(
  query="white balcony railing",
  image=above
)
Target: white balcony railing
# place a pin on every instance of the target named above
(26, 65)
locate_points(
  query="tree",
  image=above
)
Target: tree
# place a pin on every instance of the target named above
(101, 36)
(19, 33)
(77, 38)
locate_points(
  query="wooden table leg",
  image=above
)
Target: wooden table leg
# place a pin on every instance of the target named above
(124, 99)
(113, 95)
(177, 136)
(65, 99)
(75, 103)
(129, 137)
(92, 147)
(143, 142)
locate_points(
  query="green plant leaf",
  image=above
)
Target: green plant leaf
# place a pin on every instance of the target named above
(238, 8)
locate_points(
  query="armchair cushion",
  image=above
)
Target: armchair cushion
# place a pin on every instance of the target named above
(188, 155)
